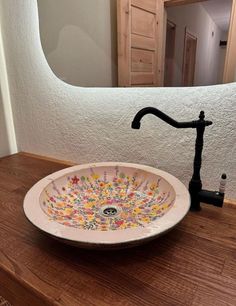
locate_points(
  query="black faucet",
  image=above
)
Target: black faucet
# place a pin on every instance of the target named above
(197, 194)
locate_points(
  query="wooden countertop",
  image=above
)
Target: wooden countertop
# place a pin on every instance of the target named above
(194, 264)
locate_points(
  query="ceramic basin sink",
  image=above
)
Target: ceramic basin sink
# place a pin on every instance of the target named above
(107, 205)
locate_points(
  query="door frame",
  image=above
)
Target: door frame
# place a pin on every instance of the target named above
(188, 33)
(230, 60)
(172, 63)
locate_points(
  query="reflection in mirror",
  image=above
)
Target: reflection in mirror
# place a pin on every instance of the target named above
(81, 42)
(196, 39)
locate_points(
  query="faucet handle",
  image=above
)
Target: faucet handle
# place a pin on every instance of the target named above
(202, 121)
(202, 115)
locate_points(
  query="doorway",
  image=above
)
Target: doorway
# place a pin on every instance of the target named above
(169, 54)
(189, 59)
(199, 56)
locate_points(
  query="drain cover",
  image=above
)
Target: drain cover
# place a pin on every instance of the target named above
(109, 211)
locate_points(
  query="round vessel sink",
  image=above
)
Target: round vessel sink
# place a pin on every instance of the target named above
(107, 205)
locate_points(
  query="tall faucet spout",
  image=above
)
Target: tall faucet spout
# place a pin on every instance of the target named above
(179, 125)
(195, 185)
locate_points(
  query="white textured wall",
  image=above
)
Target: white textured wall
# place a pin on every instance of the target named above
(56, 119)
(79, 40)
(201, 25)
(4, 144)
(7, 129)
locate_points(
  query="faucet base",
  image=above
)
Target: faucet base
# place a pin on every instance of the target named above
(211, 197)
(208, 197)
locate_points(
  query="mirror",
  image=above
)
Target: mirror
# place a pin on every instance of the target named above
(81, 40)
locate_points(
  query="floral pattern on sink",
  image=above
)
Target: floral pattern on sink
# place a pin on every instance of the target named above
(80, 201)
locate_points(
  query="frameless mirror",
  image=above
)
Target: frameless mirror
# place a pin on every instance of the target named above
(110, 43)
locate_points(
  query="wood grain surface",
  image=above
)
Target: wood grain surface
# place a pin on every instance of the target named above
(3, 302)
(194, 264)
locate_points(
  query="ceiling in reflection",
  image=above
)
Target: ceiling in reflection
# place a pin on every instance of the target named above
(219, 10)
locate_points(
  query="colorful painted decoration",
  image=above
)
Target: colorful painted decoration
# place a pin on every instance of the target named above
(103, 202)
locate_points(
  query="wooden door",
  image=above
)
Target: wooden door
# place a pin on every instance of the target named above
(189, 59)
(169, 54)
(140, 47)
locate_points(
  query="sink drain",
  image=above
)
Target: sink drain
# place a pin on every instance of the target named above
(109, 211)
